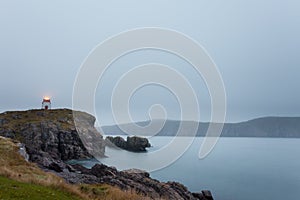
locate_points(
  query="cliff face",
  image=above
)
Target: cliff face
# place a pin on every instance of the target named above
(51, 133)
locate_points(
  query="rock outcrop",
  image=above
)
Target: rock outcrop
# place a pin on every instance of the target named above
(51, 134)
(134, 143)
(133, 179)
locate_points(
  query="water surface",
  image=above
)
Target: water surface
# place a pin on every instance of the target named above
(237, 168)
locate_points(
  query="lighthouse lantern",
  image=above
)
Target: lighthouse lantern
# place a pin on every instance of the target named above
(46, 104)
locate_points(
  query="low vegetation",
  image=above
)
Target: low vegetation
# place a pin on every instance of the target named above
(12, 189)
(14, 120)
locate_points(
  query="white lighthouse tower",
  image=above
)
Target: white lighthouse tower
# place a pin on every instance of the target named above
(46, 104)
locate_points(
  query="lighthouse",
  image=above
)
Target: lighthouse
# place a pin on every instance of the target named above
(46, 104)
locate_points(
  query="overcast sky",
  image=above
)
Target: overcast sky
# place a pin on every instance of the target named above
(255, 45)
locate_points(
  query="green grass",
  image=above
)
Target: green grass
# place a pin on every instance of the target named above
(11, 189)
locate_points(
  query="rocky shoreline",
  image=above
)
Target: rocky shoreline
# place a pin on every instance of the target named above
(49, 139)
(133, 179)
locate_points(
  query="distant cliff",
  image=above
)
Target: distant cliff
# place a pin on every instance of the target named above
(284, 127)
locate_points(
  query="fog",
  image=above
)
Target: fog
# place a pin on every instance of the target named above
(255, 45)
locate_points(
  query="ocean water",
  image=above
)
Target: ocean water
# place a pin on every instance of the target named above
(236, 169)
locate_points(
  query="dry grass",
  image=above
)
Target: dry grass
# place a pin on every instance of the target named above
(13, 166)
(17, 118)
(107, 192)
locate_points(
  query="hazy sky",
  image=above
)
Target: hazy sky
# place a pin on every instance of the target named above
(255, 45)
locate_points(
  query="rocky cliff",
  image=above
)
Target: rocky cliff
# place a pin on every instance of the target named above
(51, 133)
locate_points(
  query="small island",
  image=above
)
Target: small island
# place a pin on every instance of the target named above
(133, 143)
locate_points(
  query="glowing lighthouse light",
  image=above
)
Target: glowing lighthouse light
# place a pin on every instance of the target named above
(46, 104)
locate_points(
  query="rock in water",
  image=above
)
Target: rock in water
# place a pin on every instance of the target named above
(134, 143)
(116, 141)
(137, 143)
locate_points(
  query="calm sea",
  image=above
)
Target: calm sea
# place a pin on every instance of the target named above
(237, 168)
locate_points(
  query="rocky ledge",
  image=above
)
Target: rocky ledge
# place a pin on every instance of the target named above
(133, 179)
(133, 143)
(49, 138)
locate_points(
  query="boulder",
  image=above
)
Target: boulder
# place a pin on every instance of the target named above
(135, 143)
(207, 194)
(101, 170)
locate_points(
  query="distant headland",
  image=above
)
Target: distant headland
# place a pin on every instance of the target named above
(273, 127)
